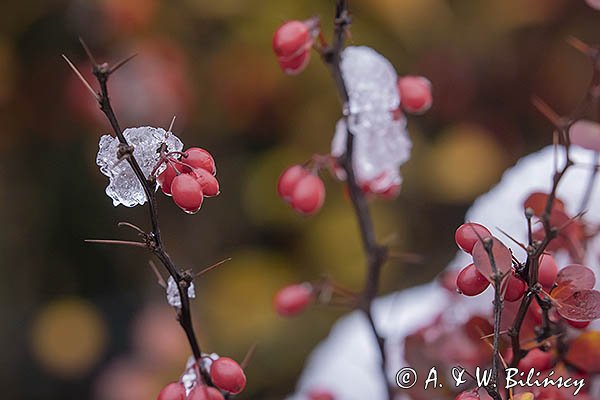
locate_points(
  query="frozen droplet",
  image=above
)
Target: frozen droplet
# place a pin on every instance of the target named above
(370, 79)
(379, 152)
(173, 292)
(124, 187)
(190, 376)
(207, 360)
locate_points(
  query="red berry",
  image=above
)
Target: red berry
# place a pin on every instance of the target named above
(227, 375)
(288, 180)
(320, 394)
(515, 288)
(578, 324)
(208, 183)
(469, 395)
(374, 186)
(199, 158)
(415, 93)
(205, 393)
(308, 195)
(548, 270)
(468, 234)
(165, 178)
(292, 299)
(470, 281)
(291, 44)
(537, 359)
(187, 193)
(295, 65)
(535, 313)
(173, 391)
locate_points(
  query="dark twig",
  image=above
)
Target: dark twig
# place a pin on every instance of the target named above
(376, 254)
(498, 307)
(536, 249)
(102, 72)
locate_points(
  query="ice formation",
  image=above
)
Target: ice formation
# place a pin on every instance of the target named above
(381, 142)
(124, 187)
(173, 292)
(370, 80)
(378, 155)
(189, 377)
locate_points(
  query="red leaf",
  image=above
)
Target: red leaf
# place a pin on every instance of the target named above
(537, 202)
(571, 279)
(501, 255)
(581, 306)
(584, 352)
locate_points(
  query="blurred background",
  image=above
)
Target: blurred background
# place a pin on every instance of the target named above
(80, 321)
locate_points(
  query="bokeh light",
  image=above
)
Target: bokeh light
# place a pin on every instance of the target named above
(88, 321)
(68, 337)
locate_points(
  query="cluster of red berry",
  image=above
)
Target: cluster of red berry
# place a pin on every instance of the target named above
(225, 374)
(292, 43)
(471, 282)
(302, 189)
(189, 178)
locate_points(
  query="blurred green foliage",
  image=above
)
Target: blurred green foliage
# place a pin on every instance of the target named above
(81, 321)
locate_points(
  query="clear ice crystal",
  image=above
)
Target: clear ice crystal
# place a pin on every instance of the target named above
(379, 152)
(124, 187)
(370, 79)
(173, 292)
(207, 360)
(189, 377)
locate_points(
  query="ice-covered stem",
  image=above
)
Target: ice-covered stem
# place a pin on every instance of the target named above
(153, 239)
(376, 254)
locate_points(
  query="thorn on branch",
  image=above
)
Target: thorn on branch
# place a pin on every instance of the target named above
(81, 78)
(548, 112)
(580, 45)
(136, 228)
(211, 267)
(248, 356)
(121, 63)
(117, 242)
(160, 279)
(87, 51)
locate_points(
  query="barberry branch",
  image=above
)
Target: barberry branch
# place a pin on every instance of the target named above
(536, 249)
(497, 277)
(153, 239)
(376, 254)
